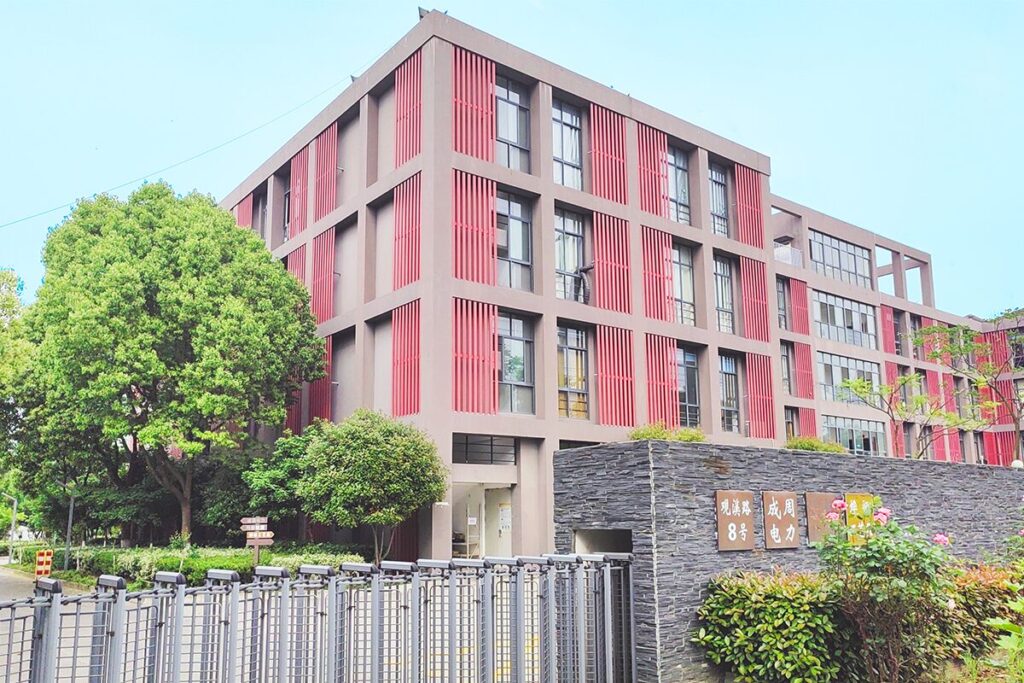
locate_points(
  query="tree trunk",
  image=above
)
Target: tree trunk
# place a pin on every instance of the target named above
(186, 517)
(302, 532)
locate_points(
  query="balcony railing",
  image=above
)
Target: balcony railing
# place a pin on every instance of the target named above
(791, 255)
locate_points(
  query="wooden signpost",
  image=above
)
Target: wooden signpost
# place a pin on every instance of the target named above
(257, 535)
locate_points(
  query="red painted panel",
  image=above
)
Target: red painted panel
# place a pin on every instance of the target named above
(474, 225)
(408, 108)
(611, 263)
(760, 396)
(473, 122)
(293, 418)
(896, 435)
(749, 207)
(998, 448)
(325, 187)
(892, 373)
(804, 370)
(320, 390)
(653, 153)
(928, 347)
(662, 381)
(298, 190)
(405, 359)
(754, 289)
(888, 330)
(657, 253)
(608, 154)
(475, 357)
(322, 287)
(406, 256)
(1000, 348)
(931, 385)
(808, 421)
(243, 212)
(1003, 394)
(800, 319)
(296, 264)
(616, 403)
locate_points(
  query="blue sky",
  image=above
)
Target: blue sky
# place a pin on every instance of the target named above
(901, 117)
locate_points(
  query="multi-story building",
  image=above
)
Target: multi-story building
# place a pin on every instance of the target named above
(517, 259)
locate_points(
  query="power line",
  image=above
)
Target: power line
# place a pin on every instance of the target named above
(185, 161)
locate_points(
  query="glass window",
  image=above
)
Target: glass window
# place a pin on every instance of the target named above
(730, 388)
(719, 199)
(569, 283)
(897, 325)
(723, 295)
(682, 284)
(863, 437)
(678, 186)
(483, 449)
(515, 249)
(573, 399)
(515, 377)
(844, 320)
(787, 366)
(782, 299)
(840, 260)
(689, 396)
(567, 139)
(287, 206)
(792, 421)
(513, 112)
(979, 448)
(833, 370)
(908, 438)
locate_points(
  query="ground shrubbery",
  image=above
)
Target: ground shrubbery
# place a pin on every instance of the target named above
(813, 443)
(659, 432)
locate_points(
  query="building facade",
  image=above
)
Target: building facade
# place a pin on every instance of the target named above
(518, 259)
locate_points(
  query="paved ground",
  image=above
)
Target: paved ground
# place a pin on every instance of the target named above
(14, 585)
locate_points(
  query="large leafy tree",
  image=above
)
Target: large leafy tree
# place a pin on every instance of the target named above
(370, 470)
(14, 353)
(160, 331)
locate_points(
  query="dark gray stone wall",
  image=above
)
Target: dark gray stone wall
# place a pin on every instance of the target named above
(665, 492)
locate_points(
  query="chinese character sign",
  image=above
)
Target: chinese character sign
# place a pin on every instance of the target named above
(818, 505)
(858, 513)
(735, 513)
(781, 526)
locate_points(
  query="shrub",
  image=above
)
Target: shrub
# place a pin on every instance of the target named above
(979, 594)
(659, 432)
(813, 443)
(773, 628)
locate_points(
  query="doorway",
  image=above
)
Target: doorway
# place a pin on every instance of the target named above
(481, 520)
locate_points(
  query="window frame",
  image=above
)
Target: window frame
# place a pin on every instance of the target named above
(840, 259)
(525, 266)
(559, 111)
(730, 399)
(685, 311)
(688, 367)
(528, 384)
(724, 277)
(678, 166)
(503, 157)
(718, 204)
(570, 285)
(782, 300)
(462, 449)
(576, 344)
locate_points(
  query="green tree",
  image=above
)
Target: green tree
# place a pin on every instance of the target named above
(370, 470)
(14, 353)
(163, 329)
(273, 480)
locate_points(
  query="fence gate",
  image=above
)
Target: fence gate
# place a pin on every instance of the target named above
(549, 619)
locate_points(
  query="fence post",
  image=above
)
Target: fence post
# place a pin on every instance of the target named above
(580, 599)
(414, 626)
(174, 626)
(480, 576)
(376, 625)
(115, 627)
(319, 639)
(230, 620)
(333, 627)
(609, 645)
(45, 631)
(551, 633)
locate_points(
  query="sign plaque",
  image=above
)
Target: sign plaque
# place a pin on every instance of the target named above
(818, 505)
(735, 513)
(781, 525)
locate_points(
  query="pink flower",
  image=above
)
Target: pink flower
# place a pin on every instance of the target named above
(1021, 532)
(832, 516)
(884, 511)
(940, 539)
(838, 505)
(881, 517)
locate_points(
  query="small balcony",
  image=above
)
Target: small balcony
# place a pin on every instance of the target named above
(785, 253)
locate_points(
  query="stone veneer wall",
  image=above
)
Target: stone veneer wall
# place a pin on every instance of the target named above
(664, 493)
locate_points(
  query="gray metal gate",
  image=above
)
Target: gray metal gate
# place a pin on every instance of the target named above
(550, 619)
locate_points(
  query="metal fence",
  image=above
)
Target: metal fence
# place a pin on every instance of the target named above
(518, 620)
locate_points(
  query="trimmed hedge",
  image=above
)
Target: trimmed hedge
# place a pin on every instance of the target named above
(813, 443)
(659, 432)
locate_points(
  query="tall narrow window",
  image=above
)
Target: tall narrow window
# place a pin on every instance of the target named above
(718, 179)
(567, 139)
(513, 113)
(730, 387)
(782, 298)
(915, 328)
(786, 350)
(515, 253)
(897, 324)
(682, 284)
(515, 377)
(287, 204)
(569, 255)
(723, 295)
(678, 186)
(689, 396)
(573, 399)
(792, 420)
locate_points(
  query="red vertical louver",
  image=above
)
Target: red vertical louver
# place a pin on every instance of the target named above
(293, 419)
(616, 403)
(952, 435)
(929, 345)
(1000, 348)
(298, 189)
(408, 108)
(473, 122)
(320, 390)
(406, 257)
(753, 286)
(808, 421)
(931, 381)
(998, 448)
(295, 263)
(804, 370)
(475, 357)
(749, 209)
(611, 263)
(658, 300)
(800, 321)
(322, 285)
(760, 396)
(892, 376)
(608, 154)
(888, 330)
(325, 189)
(653, 170)
(243, 212)
(662, 381)
(405, 359)
(899, 448)
(1004, 393)
(474, 228)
